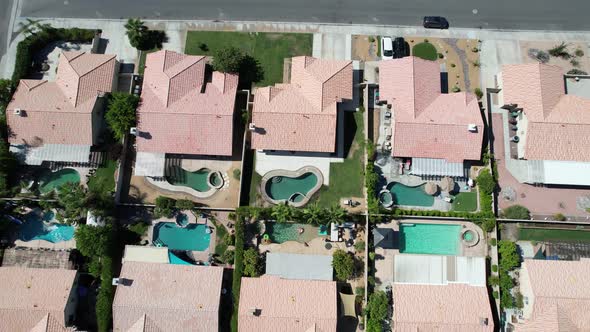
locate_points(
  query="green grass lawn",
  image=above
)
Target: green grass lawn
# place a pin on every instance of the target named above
(104, 178)
(141, 65)
(268, 48)
(346, 178)
(425, 50)
(535, 234)
(466, 202)
(220, 246)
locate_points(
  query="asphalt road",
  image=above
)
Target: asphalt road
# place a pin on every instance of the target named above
(5, 12)
(499, 14)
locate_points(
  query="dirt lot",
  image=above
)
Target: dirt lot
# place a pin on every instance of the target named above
(459, 58)
(365, 48)
(583, 59)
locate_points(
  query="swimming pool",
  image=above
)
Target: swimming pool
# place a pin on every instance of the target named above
(192, 237)
(411, 196)
(202, 180)
(49, 181)
(283, 232)
(287, 188)
(34, 228)
(429, 239)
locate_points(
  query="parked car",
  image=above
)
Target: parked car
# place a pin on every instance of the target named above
(400, 48)
(435, 22)
(386, 48)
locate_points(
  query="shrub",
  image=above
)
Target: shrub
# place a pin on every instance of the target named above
(488, 224)
(453, 65)
(456, 89)
(509, 258)
(377, 310)
(560, 51)
(371, 39)
(476, 63)
(493, 242)
(120, 115)
(228, 257)
(238, 269)
(441, 56)
(359, 246)
(236, 173)
(486, 182)
(536, 54)
(343, 264)
(251, 263)
(575, 63)
(229, 239)
(518, 300)
(516, 212)
(495, 294)
(559, 217)
(203, 47)
(478, 93)
(140, 228)
(578, 52)
(494, 281)
(494, 268)
(474, 49)
(184, 204)
(576, 71)
(164, 207)
(104, 299)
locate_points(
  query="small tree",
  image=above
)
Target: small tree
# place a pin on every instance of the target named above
(251, 263)
(509, 258)
(359, 246)
(72, 197)
(343, 264)
(120, 114)
(486, 182)
(478, 93)
(228, 60)
(335, 214)
(184, 204)
(377, 309)
(282, 212)
(164, 207)
(516, 212)
(136, 32)
(314, 214)
(228, 257)
(93, 242)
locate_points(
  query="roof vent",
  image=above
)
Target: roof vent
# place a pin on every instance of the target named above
(472, 127)
(254, 311)
(252, 127)
(122, 282)
(483, 321)
(18, 111)
(133, 131)
(116, 281)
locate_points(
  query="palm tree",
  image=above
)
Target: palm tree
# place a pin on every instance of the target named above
(281, 212)
(313, 214)
(335, 214)
(136, 31)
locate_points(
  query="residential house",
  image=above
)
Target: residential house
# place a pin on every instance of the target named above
(551, 124)
(167, 297)
(37, 299)
(59, 121)
(441, 132)
(302, 115)
(555, 295)
(270, 303)
(185, 111)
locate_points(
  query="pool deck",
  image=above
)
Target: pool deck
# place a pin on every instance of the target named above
(385, 257)
(315, 247)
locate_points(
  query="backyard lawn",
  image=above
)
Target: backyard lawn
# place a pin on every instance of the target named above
(268, 48)
(220, 246)
(346, 178)
(104, 178)
(536, 234)
(425, 50)
(465, 202)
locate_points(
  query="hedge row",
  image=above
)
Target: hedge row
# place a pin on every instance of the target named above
(238, 268)
(104, 299)
(27, 48)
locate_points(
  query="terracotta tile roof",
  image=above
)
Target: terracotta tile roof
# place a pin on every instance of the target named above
(302, 115)
(558, 123)
(561, 296)
(287, 305)
(427, 123)
(452, 307)
(34, 299)
(180, 112)
(168, 297)
(60, 112)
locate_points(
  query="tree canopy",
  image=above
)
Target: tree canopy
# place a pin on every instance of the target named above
(343, 264)
(234, 60)
(251, 263)
(72, 197)
(377, 308)
(486, 182)
(509, 258)
(143, 38)
(93, 241)
(120, 114)
(516, 212)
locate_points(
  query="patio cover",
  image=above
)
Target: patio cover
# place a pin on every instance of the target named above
(150, 164)
(145, 254)
(384, 238)
(439, 270)
(301, 267)
(51, 152)
(347, 304)
(438, 167)
(566, 173)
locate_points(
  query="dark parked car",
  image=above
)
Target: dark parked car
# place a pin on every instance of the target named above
(436, 22)
(400, 48)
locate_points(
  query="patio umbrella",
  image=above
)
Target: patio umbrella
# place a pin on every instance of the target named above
(431, 188)
(447, 184)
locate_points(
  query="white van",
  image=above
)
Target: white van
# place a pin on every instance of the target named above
(386, 48)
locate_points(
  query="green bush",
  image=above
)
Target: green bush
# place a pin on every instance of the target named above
(425, 50)
(164, 207)
(494, 268)
(559, 217)
(579, 52)
(440, 55)
(238, 269)
(456, 89)
(495, 294)
(359, 246)
(140, 228)
(343, 264)
(560, 51)
(104, 299)
(478, 93)
(184, 204)
(377, 310)
(228, 257)
(486, 182)
(120, 115)
(493, 280)
(237, 174)
(509, 258)
(516, 212)
(252, 266)
(493, 242)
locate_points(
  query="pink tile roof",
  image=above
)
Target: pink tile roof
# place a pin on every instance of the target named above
(287, 305)
(452, 307)
(561, 295)
(302, 115)
(558, 123)
(168, 297)
(180, 112)
(427, 123)
(34, 299)
(60, 112)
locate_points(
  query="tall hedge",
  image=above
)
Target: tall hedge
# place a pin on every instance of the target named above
(104, 299)
(238, 268)
(27, 48)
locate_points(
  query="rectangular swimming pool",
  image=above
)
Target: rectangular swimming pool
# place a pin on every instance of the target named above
(429, 239)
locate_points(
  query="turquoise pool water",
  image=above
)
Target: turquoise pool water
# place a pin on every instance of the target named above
(412, 196)
(176, 260)
(49, 181)
(197, 180)
(283, 232)
(35, 229)
(429, 239)
(283, 187)
(193, 237)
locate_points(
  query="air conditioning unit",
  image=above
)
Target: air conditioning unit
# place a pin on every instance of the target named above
(18, 111)
(472, 127)
(252, 127)
(133, 131)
